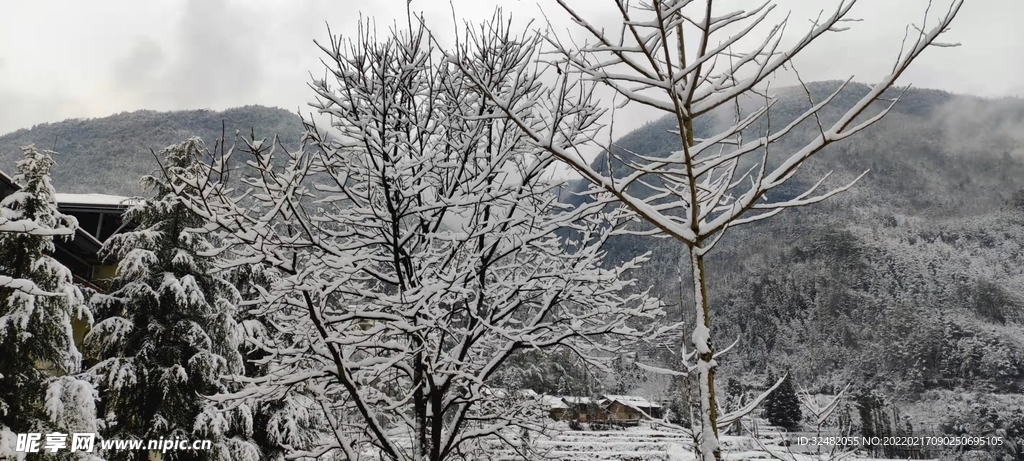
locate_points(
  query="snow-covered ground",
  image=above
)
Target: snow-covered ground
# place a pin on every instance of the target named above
(644, 443)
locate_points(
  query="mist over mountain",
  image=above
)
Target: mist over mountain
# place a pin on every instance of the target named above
(935, 152)
(108, 155)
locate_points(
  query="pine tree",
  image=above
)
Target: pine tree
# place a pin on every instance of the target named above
(166, 335)
(782, 407)
(39, 389)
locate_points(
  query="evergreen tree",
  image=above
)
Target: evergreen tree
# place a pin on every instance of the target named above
(556, 372)
(735, 394)
(167, 335)
(39, 389)
(782, 407)
(288, 420)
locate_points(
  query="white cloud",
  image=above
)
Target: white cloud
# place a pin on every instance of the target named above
(90, 59)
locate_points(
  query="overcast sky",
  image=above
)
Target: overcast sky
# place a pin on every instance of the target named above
(67, 59)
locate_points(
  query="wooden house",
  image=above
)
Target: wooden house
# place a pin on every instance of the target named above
(555, 406)
(585, 409)
(627, 408)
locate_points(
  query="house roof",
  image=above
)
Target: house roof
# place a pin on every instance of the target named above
(553, 403)
(631, 401)
(498, 392)
(501, 392)
(573, 400)
(6, 180)
(94, 201)
(528, 393)
(7, 185)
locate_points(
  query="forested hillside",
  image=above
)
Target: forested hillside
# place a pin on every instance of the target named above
(108, 155)
(910, 284)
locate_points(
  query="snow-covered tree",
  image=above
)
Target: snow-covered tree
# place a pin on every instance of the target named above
(39, 362)
(625, 376)
(688, 58)
(284, 421)
(782, 407)
(420, 251)
(165, 336)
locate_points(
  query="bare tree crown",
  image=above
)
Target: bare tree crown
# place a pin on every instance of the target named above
(681, 57)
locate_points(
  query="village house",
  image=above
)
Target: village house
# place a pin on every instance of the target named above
(611, 409)
(585, 409)
(626, 408)
(555, 406)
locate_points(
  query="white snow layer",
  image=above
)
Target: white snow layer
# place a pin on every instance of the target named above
(94, 199)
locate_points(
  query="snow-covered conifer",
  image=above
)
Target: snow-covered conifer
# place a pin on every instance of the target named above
(39, 361)
(782, 407)
(166, 336)
(286, 420)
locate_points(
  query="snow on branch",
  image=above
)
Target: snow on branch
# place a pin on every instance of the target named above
(421, 246)
(725, 420)
(692, 62)
(24, 286)
(633, 64)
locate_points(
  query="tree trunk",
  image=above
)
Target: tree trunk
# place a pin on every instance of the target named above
(705, 429)
(436, 423)
(421, 448)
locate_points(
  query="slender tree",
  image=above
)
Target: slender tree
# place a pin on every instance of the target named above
(166, 334)
(39, 361)
(420, 250)
(688, 58)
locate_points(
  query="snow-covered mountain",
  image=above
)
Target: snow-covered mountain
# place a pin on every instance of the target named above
(108, 155)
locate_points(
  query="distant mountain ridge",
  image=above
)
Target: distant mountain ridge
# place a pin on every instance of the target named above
(110, 154)
(934, 152)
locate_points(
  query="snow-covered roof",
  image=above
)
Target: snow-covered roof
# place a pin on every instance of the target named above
(552, 402)
(528, 393)
(573, 400)
(6, 179)
(498, 392)
(632, 401)
(94, 199)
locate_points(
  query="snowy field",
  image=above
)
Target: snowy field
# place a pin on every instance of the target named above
(644, 443)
